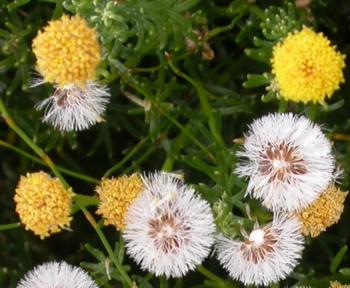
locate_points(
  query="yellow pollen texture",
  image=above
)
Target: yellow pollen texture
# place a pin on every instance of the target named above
(116, 195)
(336, 284)
(324, 212)
(43, 204)
(307, 68)
(67, 51)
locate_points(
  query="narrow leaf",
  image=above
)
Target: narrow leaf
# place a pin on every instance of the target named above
(256, 80)
(338, 258)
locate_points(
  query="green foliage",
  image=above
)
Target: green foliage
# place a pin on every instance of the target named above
(136, 28)
(186, 77)
(15, 51)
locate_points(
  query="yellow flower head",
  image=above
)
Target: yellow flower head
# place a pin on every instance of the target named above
(336, 284)
(116, 195)
(67, 51)
(307, 68)
(324, 212)
(43, 204)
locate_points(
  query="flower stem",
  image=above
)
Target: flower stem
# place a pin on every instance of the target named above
(218, 30)
(108, 248)
(40, 152)
(126, 158)
(39, 161)
(86, 200)
(10, 226)
(140, 159)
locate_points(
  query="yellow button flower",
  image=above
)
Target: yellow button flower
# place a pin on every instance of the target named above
(67, 51)
(43, 204)
(324, 212)
(307, 68)
(116, 195)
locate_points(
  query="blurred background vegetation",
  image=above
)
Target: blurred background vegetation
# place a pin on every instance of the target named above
(181, 100)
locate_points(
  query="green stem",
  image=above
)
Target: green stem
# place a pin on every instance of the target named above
(218, 30)
(39, 161)
(140, 159)
(78, 175)
(10, 226)
(158, 67)
(126, 158)
(86, 200)
(83, 200)
(108, 248)
(168, 164)
(45, 158)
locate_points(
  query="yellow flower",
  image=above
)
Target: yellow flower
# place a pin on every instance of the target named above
(307, 68)
(324, 212)
(43, 204)
(336, 284)
(116, 195)
(67, 51)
